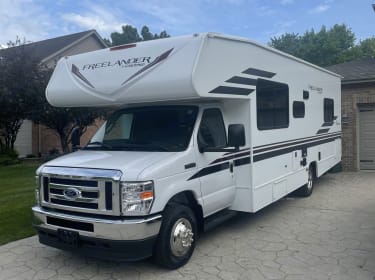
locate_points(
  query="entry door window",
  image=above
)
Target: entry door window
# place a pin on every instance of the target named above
(212, 130)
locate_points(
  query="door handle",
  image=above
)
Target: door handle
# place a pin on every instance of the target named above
(231, 167)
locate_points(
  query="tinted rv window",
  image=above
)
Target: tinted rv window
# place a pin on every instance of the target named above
(272, 105)
(162, 129)
(212, 130)
(328, 110)
(298, 109)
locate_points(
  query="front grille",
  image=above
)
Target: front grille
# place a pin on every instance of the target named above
(75, 203)
(81, 190)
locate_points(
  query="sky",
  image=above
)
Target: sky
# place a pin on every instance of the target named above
(258, 20)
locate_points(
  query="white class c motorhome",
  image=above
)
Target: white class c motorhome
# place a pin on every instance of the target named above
(202, 124)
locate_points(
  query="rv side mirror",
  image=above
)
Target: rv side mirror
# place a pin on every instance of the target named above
(76, 138)
(236, 135)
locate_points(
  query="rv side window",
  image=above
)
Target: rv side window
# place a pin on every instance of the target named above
(272, 105)
(211, 132)
(298, 109)
(328, 110)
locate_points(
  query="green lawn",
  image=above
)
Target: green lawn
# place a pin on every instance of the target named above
(17, 184)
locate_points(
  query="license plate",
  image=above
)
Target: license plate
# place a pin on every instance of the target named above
(68, 237)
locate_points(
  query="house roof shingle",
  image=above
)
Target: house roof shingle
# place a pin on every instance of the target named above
(356, 71)
(43, 49)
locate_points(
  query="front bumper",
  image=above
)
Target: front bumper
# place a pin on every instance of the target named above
(123, 239)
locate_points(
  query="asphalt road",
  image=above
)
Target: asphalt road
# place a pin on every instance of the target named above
(330, 235)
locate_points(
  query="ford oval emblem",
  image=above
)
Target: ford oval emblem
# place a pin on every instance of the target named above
(72, 193)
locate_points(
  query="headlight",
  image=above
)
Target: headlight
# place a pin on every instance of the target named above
(37, 187)
(137, 197)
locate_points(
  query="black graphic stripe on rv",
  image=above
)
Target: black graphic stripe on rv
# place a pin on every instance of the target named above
(157, 60)
(327, 124)
(323, 130)
(294, 141)
(243, 150)
(242, 161)
(290, 149)
(259, 73)
(269, 147)
(242, 81)
(75, 71)
(231, 156)
(222, 164)
(232, 90)
(209, 170)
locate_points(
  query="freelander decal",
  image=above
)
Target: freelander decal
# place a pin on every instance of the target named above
(78, 73)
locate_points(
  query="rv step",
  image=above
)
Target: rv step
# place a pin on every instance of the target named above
(218, 218)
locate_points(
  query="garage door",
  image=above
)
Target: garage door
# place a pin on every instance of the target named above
(23, 144)
(367, 138)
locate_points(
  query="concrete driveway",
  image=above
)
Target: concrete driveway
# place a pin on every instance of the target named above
(330, 235)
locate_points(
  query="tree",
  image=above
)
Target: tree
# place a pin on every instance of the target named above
(64, 120)
(323, 48)
(146, 34)
(365, 48)
(130, 34)
(21, 81)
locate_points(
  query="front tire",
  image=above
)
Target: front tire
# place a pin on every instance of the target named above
(178, 233)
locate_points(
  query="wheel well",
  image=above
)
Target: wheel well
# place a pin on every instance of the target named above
(314, 167)
(187, 198)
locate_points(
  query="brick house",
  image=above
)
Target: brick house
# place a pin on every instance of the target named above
(358, 113)
(36, 139)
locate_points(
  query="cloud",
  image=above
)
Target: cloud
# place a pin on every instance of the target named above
(24, 19)
(96, 17)
(320, 9)
(92, 21)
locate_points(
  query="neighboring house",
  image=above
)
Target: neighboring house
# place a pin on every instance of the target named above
(36, 139)
(358, 113)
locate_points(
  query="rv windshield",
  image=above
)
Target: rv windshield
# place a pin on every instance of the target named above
(166, 128)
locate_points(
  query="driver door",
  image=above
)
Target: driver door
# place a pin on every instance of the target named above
(215, 172)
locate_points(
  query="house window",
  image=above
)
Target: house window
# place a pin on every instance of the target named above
(328, 110)
(272, 105)
(298, 109)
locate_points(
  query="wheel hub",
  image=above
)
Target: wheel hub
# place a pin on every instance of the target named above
(181, 237)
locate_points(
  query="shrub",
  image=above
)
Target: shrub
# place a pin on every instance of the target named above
(8, 157)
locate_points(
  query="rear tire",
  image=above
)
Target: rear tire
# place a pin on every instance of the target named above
(307, 189)
(176, 240)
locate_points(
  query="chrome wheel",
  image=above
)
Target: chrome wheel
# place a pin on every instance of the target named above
(176, 240)
(182, 237)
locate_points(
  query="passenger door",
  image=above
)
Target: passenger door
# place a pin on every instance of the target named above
(215, 172)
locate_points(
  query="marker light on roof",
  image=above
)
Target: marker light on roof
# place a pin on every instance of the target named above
(122, 47)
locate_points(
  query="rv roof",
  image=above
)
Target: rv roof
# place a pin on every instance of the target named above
(246, 40)
(199, 66)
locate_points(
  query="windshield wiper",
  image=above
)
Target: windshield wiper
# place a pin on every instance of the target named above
(98, 143)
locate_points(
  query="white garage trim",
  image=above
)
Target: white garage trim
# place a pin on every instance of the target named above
(23, 144)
